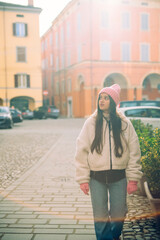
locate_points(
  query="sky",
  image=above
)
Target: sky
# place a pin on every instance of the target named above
(51, 9)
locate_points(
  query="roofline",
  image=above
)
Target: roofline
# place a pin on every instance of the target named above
(57, 17)
(64, 9)
(19, 8)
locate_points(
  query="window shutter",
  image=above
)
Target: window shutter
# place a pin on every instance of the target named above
(21, 54)
(16, 81)
(26, 30)
(14, 29)
(28, 81)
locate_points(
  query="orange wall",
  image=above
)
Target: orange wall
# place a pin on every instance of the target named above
(8, 64)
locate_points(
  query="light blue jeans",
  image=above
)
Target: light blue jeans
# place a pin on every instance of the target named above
(109, 208)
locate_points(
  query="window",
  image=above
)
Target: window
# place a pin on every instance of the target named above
(57, 39)
(68, 29)
(19, 15)
(79, 53)
(126, 20)
(62, 61)
(79, 22)
(68, 58)
(154, 113)
(144, 21)
(21, 54)
(20, 29)
(52, 79)
(144, 52)
(136, 113)
(69, 85)
(105, 51)
(51, 59)
(22, 81)
(46, 63)
(57, 63)
(104, 19)
(144, 4)
(63, 86)
(45, 44)
(126, 52)
(62, 35)
(42, 46)
(51, 39)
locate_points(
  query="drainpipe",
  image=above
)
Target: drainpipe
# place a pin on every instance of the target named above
(5, 59)
(91, 56)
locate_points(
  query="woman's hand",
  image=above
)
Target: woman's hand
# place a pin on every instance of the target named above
(85, 188)
(132, 187)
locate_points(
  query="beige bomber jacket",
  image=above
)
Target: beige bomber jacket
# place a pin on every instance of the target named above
(86, 161)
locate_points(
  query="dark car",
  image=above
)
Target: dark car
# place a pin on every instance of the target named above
(5, 118)
(139, 103)
(40, 113)
(46, 112)
(27, 114)
(16, 115)
(52, 112)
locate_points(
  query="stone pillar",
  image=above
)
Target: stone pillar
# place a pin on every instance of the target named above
(139, 93)
(130, 94)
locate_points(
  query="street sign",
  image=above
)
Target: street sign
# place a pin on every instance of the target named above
(45, 92)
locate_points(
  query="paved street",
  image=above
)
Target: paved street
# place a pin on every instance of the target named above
(40, 199)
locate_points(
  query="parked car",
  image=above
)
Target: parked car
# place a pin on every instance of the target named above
(139, 103)
(53, 112)
(27, 114)
(146, 114)
(46, 112)
(6, 120)
(40, 112)
(16, 115)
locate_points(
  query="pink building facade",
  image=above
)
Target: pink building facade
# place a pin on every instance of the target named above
(92, 44)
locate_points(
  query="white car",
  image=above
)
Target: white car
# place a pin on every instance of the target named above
(146, 114)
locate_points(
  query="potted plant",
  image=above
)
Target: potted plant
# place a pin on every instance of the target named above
(151, 167)
(149, 139)
(145, 135)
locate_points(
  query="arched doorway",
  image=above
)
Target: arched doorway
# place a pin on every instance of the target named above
(151, 87)
(23, 103)
(119, 79)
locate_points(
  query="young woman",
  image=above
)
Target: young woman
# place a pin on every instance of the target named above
(108, 163)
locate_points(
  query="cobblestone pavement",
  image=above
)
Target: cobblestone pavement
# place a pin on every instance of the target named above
(40, 199)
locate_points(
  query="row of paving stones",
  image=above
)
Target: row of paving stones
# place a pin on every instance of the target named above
(46, 203)
(18, 153)
(139, 223)
(61, 212)
(57, 215)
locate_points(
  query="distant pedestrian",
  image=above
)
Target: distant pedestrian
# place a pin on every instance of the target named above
(108, 163)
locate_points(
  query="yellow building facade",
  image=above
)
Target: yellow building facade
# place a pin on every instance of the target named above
(20, 56)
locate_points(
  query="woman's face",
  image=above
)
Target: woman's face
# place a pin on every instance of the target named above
(104, 102)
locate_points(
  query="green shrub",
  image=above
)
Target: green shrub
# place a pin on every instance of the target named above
(149, 140)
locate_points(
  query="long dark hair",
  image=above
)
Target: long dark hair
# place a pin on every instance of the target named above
(116, 126)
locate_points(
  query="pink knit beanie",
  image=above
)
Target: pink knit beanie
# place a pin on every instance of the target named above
(113, 91)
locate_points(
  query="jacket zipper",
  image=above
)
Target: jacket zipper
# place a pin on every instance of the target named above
(110, 146)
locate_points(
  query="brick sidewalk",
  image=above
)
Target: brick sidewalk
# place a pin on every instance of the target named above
(46, 203)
